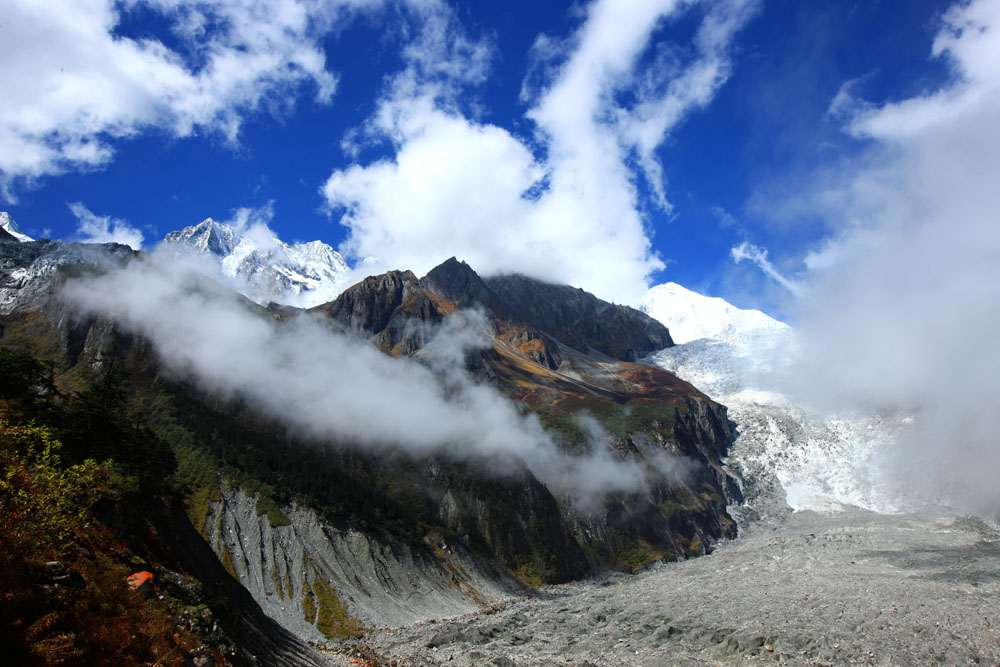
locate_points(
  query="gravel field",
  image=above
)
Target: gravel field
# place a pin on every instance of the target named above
(805, 589)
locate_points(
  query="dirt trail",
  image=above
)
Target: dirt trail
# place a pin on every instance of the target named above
(852, 588)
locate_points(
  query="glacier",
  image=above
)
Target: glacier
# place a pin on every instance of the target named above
(790, 456)
(264, 268)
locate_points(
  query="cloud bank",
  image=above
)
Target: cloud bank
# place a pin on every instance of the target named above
(103, 228)
(73, 84)
(335, 387)
(903, 298)
(561, 205)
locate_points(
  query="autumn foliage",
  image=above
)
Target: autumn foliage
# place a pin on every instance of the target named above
(64, 599)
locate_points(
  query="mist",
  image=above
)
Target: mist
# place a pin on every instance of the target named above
(333, 386)
(903, 300)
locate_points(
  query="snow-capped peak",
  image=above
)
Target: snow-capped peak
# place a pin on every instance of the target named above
(8, 225)
(209, 237)
(266, 268)
(796, 457)
(690, 316)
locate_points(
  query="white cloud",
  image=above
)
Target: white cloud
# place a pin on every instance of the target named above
(905, 294)
(758, 256)
(337, 387)
(103, 228)
(460, 187)
(71, 85)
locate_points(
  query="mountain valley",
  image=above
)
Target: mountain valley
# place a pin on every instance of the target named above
(505, 472)
(442, 530)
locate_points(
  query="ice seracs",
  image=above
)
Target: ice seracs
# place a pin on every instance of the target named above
(7, 224)
(793, 456)
(266, 269)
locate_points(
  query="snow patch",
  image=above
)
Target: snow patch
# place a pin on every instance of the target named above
(8, 225)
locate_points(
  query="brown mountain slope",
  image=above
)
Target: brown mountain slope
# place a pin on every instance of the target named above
(561, 353)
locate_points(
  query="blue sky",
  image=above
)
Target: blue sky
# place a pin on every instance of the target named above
(612, 145)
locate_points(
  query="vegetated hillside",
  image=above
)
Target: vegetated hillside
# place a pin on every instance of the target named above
(86, 505)
(295, 500)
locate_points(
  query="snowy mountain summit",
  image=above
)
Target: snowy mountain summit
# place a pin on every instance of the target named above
(690, 316)
(8, 225)
(789, 456)
(267, 269)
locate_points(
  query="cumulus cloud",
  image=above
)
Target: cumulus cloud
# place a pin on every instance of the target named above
(72, 84)
(335, 387)
(905, 294)
(563, 204)
(103, 228)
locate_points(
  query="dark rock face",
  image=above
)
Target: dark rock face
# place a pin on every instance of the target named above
(392, 308)
(581, 320)
(457, 282)
(512, 515)
(571, 316)
(368, 306)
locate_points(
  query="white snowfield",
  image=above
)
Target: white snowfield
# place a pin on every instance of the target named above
(266, 269)
(785, 452)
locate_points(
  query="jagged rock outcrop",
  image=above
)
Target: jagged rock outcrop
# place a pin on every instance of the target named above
(30, 271)
(570, 315)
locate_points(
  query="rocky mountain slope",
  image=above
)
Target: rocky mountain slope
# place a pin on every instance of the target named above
(329, 538)
(265, 268)
(562, 352)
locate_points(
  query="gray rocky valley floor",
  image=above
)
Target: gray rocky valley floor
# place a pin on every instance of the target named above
(806, 589)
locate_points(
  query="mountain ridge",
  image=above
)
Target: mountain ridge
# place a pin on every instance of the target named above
(269, 270)
(443, 505)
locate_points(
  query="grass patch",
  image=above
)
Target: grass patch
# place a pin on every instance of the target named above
(564, 425)
(199, 504)
(639, 558)
(275, 517)
(308, 603)
(621, 420)
(276, 578)
(694, 546)
(332, 618)
(669, 509)
(712, 495)
(528, 575)
(227, 561)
